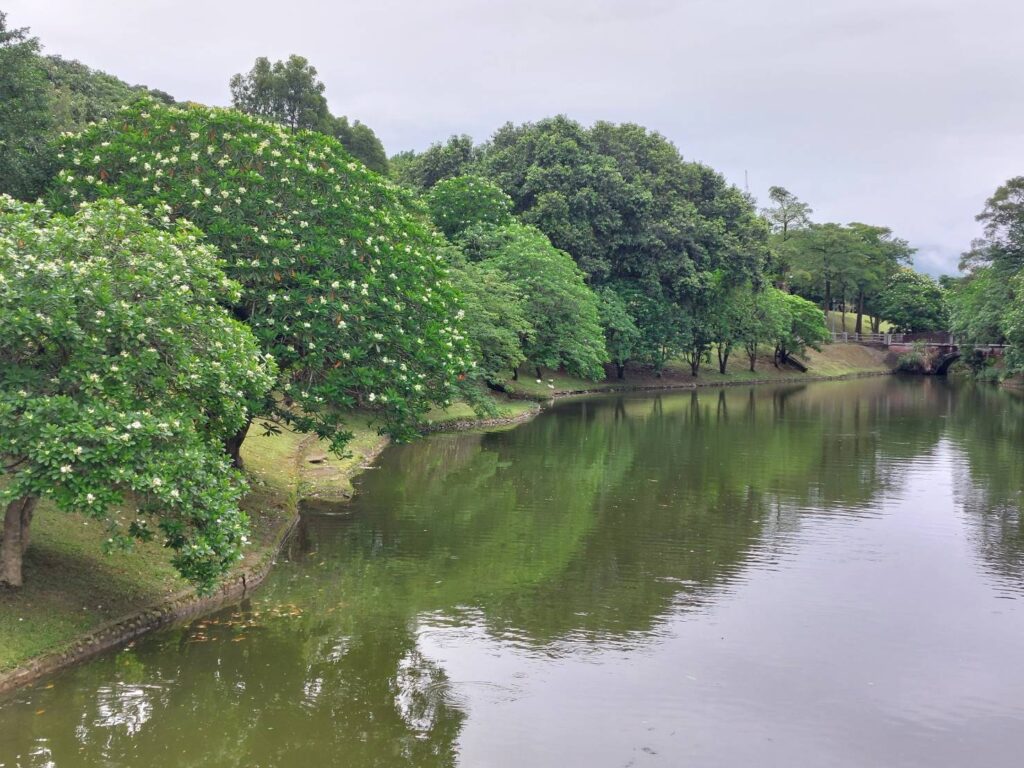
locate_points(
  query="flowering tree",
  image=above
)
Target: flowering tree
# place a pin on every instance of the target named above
(342, 283)
(121, 375)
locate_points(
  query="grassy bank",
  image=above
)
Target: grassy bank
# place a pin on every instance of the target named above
(72, 588)
(834, 360)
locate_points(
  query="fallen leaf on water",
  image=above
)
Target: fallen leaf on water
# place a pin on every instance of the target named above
(40, 711)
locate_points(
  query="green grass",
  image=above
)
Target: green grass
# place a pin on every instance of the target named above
(71, 587)
(835, 322)
(462, 412)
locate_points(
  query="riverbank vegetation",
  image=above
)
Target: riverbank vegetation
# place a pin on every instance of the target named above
(987, 303)
(224, 276)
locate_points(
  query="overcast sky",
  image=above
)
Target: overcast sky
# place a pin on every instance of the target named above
(906, 113)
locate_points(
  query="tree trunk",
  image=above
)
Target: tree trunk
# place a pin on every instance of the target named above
(876, 324)
(860, 312)
(620, 369)
(17, 519)
(828, 299)
(515, 374)
(539, 374)
(723, 359)
(753, 360)
(233, 445)
(695, 365)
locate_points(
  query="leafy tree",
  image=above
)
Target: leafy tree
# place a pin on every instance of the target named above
(621, 335)
(985, 306)
(664, 328)
(563, 311)
(286, 92)
(764, 320)
(911, 301)
(729, 317)
(359, 139)
(496, 323)
(623, 202)
(26, 123)
(822, 257)
(341, 284)
(290, 93)
(422, 171)
(804, 327)
(458, 203)
(121, 375)
(882, 256)
(787, 212)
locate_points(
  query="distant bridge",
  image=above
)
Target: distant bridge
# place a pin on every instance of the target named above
(943, 348)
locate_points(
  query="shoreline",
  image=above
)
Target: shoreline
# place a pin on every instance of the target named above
(185, 604)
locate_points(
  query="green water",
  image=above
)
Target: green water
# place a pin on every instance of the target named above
(822, 575)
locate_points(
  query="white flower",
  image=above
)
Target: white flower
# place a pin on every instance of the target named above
(372, 397)
(66, 469)
(157, 482)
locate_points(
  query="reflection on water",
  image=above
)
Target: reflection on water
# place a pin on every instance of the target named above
(803, 575)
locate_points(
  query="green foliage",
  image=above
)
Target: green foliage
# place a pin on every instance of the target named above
(121, 375)
(290, 93)
(987, 305)
(495, 322)
(461, 202)
(422, 171)
(913, 361)
(557, 302)
(40, 97)
(911, 301)
(664, 328)
(341, 284)
(623, 202)
(285, 92)
(805, 327)
(621, 335)
(360, 140)
(763, 319)
(787, 212)
(25, 120)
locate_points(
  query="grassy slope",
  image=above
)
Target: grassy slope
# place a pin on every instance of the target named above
(71, 587)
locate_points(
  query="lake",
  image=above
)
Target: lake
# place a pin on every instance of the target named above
(829, 574)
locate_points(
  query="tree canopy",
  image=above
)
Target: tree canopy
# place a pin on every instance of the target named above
(341, 283)
(122, 373)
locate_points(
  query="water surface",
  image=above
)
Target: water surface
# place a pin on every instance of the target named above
(820, 575)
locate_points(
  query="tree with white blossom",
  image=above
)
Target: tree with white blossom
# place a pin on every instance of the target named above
(122, 374)
(343, 281)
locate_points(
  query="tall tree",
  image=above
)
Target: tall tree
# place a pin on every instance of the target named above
(287, 92)
(787, 212)
(291, 93)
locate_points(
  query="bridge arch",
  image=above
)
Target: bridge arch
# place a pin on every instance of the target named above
(941, 366)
